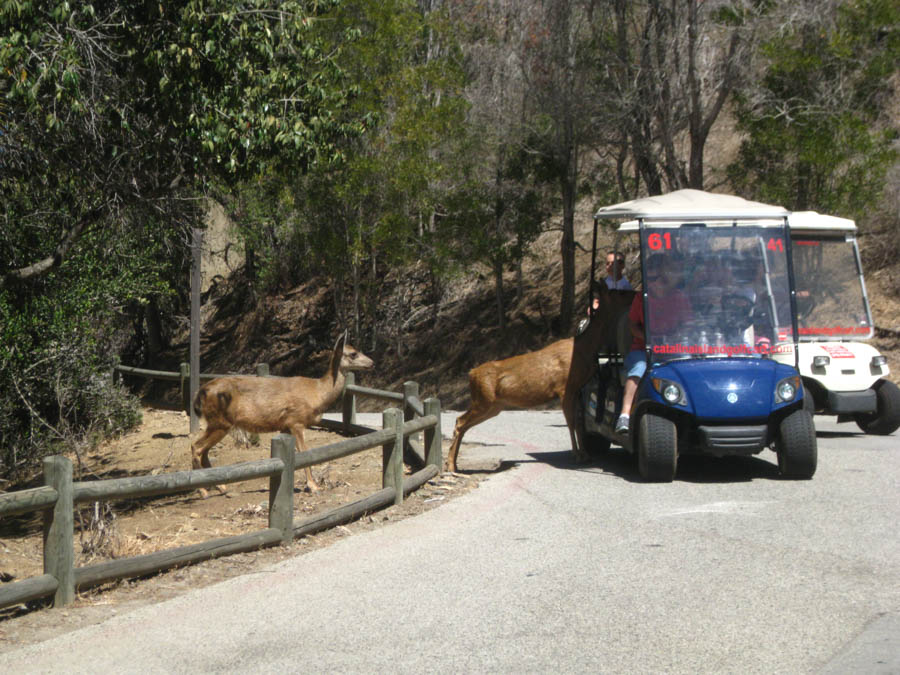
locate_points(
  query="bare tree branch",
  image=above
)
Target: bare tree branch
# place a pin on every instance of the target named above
(50, 262)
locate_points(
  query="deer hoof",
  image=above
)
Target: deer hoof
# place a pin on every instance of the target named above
(581, 457)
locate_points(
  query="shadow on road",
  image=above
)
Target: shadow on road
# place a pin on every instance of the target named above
(691, 468)
(839, 434)
(704, 469)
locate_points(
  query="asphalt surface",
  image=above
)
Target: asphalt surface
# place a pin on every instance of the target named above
(555, 567)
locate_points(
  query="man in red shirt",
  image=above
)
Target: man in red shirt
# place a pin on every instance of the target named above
(669, 309)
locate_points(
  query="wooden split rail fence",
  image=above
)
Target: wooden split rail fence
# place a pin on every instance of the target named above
(58, 497)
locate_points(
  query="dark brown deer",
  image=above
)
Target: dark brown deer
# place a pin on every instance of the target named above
(270, 404)
(559, 370)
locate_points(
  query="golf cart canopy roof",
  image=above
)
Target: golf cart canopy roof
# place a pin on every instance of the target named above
(803, 222)
(692, 205)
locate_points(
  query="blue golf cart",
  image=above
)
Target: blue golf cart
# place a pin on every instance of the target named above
(715, 303)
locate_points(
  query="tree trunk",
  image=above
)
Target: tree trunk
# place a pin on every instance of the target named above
(356, 322)
(155, 338)
(567, 252)
(520, 285)
(62, 250)
(569, 187)
(372, 300)
(498, 293)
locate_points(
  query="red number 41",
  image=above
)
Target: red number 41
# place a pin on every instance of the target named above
(775, 245)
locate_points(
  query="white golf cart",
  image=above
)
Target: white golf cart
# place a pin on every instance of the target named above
(842, 374)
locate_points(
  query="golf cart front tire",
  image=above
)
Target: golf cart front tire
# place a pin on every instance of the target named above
(796, 446)
(657, 448)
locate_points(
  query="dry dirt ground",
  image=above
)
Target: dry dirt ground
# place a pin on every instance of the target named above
(122, 529)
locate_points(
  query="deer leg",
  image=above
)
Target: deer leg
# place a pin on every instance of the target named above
(200, 453)
(568, 406)
(200, 448)
(465, 422)
(297, 431)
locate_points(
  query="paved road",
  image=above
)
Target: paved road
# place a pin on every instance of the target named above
(552, 567)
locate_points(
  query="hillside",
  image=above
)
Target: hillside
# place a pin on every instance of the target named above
(294, 332)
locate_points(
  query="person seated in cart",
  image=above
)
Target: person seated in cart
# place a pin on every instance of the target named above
(671, 309)
(615, 272)
(729, 299)
(615, 278)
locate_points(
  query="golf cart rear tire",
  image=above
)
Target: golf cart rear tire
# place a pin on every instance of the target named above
(886, 420)
(597, 445)
(657, 448)
(796, 447)
(594, 444)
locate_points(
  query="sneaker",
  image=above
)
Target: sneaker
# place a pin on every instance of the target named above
(622, 424)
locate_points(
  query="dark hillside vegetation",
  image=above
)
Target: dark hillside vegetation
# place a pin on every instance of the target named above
(294, 331)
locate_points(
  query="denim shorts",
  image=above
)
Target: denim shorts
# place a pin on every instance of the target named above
(636, 363)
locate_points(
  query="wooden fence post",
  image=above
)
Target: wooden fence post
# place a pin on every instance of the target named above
(410, 390)
(281, 489)
(434, 451)
(262, 369)
(184, 370)
(59, 555)
(348, 411)
(392, 454)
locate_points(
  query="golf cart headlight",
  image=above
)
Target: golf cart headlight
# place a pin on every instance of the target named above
(878, 361)
(821, 361)
(670, 391)
(787, 389)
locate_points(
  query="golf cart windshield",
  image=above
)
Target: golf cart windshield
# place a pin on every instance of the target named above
(831, 299)
(715, 291)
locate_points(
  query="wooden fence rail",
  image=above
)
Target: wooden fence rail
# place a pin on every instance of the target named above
(57, 498)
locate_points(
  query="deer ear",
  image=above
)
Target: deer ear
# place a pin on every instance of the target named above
(339, 345)
(338, 354)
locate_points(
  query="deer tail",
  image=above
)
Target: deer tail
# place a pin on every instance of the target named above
(198, 401)
(224, 399)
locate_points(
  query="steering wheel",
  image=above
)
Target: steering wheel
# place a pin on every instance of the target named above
(737, 311)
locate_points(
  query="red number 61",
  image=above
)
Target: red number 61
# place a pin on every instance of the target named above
(656, 241)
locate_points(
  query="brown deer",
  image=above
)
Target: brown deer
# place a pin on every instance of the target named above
(268, 404)
(559, 370)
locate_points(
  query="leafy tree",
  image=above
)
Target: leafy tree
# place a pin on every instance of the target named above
(118, 119)
(119, 103)
(495, 222)
(382, 207)
(502, 206)
(818, 133)
(559, 77)
(59, 338)
(665, 71)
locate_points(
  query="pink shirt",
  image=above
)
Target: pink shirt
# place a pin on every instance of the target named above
(668, 312)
